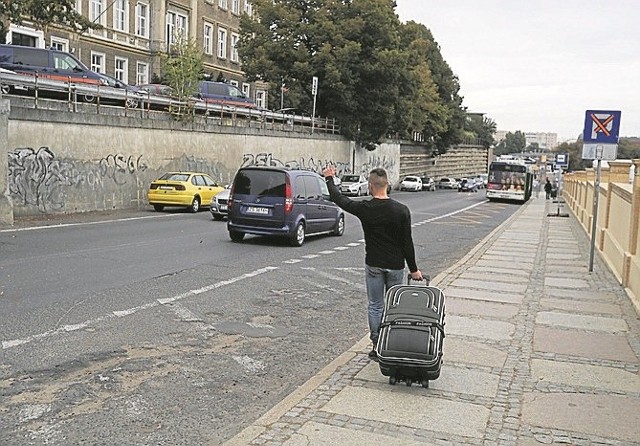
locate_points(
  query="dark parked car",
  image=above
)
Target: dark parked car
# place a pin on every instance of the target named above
(467, 185)
(277, 201)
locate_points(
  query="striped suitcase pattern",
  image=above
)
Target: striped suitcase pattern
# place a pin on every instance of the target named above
(411, 334)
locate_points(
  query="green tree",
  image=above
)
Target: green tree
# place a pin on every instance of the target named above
(374, 77)
(512, 143)
(182, 70)
(482, 129)
(43, 14)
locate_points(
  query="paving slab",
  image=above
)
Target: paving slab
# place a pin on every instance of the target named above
(584, 375)
(317, 434)
(412, 407)
(452, 379)
(565, 282)
(494, 277)
(503, 264)
(479, 328)
(559, 267)
(608, 416)
(580, 294)
(581, 306)
(581, 321)
(500, 271)
(588, 345)
(458, 350)
(466, 293)
(497, 310)
(491, 286)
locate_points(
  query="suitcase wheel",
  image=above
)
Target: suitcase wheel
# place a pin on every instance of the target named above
(425, 383)
(409, 382)
(393, 380)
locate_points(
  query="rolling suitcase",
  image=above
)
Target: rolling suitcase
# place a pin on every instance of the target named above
(409, 346)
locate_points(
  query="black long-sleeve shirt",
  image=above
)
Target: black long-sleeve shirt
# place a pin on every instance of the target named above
(387, 229)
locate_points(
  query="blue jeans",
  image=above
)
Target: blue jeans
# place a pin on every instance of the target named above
(378, 280)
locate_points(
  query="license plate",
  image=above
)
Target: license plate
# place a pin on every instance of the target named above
(166, 187)
(223, 207)
(257, 210)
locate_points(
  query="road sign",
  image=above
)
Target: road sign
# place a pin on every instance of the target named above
(562, 160)
(314, 86)
(601, 127)
(600, 135)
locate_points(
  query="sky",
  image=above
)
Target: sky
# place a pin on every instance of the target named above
(539, 65)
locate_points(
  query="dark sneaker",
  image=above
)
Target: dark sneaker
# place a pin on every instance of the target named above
(373, 356)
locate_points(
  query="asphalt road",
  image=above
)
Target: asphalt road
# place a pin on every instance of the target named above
(154, 328)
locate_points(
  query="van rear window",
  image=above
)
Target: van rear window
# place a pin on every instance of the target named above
(36, 58)
(265, 183)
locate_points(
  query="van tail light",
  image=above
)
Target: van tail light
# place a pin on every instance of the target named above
(230, 200)
(288, 196)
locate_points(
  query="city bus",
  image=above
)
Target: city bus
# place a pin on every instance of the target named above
(509, 180)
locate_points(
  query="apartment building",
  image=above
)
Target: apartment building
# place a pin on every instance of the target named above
(136, 33)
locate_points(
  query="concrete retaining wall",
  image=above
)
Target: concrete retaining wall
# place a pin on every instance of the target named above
(70, 162)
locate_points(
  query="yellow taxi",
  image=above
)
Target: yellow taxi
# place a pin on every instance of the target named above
(191, 189)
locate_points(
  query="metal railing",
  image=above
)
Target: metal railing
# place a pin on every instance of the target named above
(87, 98)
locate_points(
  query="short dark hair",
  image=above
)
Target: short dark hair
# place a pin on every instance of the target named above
(378, 178)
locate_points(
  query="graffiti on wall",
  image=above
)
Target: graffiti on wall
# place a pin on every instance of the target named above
(374, 161)
(316, 165)
(36, 177)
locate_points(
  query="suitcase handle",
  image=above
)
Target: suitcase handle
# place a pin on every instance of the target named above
(426, 278)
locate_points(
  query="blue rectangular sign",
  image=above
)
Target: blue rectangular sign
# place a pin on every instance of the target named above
(601, 126)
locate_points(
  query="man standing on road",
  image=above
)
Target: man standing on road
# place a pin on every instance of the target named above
(388, 243)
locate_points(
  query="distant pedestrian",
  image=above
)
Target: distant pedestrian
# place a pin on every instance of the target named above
(388, 242)
(547, 189)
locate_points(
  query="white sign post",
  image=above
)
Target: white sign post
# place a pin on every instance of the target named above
(600, 138)
(314, 91)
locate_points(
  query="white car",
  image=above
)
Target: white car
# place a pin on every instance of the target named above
(354, 185)
(411, 183)
(447, 183)
(219, 204)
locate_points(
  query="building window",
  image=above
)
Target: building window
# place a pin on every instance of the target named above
(222, 43)
(97, 62)
(142, 73)
(96, 10)
(208, 38)
(248, 8)
(59, 44)
(261, 99)
(234, 83)
(235, 6)
(78, 6)
(176, 27)
(142, 19)
(246, 89)
(121, 15)
(222, 4)
(122, 70)
(234, 47)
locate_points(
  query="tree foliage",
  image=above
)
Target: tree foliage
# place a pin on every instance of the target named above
(482, 129)
(182, 70)
(512, 143)
(43, 14)
(377, 76)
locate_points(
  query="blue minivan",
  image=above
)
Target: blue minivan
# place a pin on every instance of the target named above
(278, 201)
(224, 94)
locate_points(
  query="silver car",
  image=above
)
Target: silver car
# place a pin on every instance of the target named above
(219, 202)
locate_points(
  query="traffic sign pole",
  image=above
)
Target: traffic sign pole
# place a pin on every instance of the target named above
(594, 220)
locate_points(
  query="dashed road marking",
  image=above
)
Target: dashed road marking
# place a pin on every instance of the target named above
(181, 311)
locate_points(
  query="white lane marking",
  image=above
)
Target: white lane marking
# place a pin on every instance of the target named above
(310, 256)
(340, 248)
(126, 312)
(292, 261)
(353, 244)
(333, 277)
(326, 252)
(67, 225)
(250, 364)
(449, 214)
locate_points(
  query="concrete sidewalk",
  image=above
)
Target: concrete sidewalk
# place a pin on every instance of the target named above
(538, 351)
